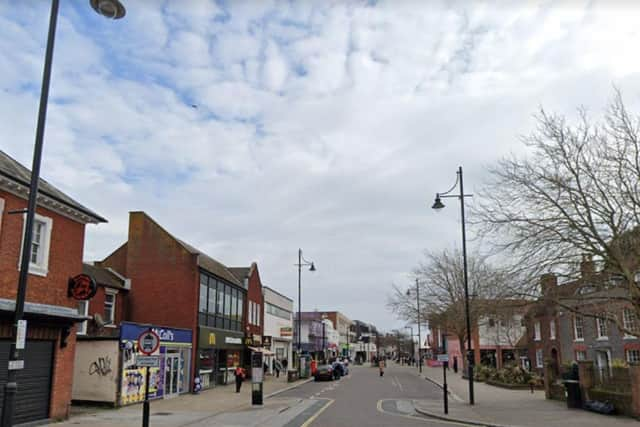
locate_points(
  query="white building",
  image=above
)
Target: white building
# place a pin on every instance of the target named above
(278, 325)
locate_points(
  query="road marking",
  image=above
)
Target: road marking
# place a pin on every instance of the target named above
(317, 414)
(415, 416)
(399, 385)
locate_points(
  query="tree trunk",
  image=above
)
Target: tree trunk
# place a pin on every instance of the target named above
(463, 355)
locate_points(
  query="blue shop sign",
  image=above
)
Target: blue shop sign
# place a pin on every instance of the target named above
(131, 331)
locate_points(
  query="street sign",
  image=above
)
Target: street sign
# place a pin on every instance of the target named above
(21, 335)
(443, 358)
(148, 361)
(148, 342)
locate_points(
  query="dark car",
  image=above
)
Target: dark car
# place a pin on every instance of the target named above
(324, 372)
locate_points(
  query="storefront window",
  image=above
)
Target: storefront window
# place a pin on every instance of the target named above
(240, 306)
(227, 300)
(212, 296)
(203, 294)
(234, 304)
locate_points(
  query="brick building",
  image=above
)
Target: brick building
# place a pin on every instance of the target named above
(178, 286)
(44, 385)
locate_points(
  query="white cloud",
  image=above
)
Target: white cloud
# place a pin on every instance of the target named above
(322, 126)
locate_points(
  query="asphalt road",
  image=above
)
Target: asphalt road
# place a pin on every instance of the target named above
(364, 399)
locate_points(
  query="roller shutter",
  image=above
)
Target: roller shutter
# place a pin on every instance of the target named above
(34, 381)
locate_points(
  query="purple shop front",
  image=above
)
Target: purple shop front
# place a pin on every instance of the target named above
(170, 379)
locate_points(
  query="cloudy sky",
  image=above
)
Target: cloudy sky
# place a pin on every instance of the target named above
(325, 125)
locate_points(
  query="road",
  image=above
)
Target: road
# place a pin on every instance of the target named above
(363, 399)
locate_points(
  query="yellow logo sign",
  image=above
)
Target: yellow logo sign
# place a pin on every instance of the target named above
(212, 338)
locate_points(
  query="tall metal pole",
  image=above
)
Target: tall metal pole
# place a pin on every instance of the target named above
(470, 355)
(419, 334)
(299, 311)
(11, 387)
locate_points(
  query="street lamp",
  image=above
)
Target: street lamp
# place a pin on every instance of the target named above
(324, 337)
(418, 319)
(115, 10)
(437, 205)
(301, 262)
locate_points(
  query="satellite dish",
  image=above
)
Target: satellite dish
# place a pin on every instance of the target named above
(99, 320)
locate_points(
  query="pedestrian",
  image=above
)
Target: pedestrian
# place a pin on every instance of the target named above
(284, 364)
(239, 373)
(455, 364)
(276, 367)
(381, 367)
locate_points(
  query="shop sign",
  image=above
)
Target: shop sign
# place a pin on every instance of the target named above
(232, 340)
(131, 331)
(286, 331)
(257, 340)
(266, 341)
(164, 334)
(212, 338)
(82, 287)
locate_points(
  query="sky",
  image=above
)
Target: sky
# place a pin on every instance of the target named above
(253, 128)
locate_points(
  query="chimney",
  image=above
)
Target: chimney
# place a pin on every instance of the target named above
(548, 282)
(587, 267)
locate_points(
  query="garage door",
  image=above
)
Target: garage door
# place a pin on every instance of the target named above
(34, 381)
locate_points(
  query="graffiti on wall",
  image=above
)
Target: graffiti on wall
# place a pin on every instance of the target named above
(100, 366)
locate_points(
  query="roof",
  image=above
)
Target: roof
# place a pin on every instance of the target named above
(277, 293)
(211, 265)
(240, 273)
(13, 170)
(105, 276)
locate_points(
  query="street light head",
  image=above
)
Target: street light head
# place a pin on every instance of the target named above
(111, 9)
(312, 268)
(437, 205)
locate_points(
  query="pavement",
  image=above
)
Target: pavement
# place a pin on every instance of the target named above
(193, 410)
(496, 406)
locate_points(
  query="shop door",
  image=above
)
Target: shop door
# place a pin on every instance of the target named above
(173, 379)
(34, 381)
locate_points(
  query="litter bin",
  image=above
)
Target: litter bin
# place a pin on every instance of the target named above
(572, 387)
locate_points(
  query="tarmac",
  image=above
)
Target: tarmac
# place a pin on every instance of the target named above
(500, 407)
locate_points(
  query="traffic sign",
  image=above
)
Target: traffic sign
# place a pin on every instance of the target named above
(443, 358)
(148, 361)
(148, 342)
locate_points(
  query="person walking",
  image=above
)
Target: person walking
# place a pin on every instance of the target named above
(381, 367)
(276, 367)
(455, 364)
(239, 373)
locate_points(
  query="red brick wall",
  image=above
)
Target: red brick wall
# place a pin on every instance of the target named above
(118, 260)
(65, 260)
(164, 276)
(65, 255)
(254, 293)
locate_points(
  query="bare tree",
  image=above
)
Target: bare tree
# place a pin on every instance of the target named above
(442, 298)
(575, 194)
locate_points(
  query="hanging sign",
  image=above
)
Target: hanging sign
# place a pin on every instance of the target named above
(148, 342)
(82, 287)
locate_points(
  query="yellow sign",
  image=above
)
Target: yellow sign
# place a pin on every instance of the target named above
(212, 338)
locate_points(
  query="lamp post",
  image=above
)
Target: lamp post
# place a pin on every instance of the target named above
(110, 9)
(301, 262)
(437, 205)
(324, 338)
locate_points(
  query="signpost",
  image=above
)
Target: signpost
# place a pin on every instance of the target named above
(148, 343)
(257, 376)
(444, 358)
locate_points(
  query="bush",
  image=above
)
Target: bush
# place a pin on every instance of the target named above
(512, 374)
(482, 373)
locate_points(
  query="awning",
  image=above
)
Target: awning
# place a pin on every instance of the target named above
(262, 350)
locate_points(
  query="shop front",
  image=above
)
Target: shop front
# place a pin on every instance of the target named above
(219, 352)
(171, 379)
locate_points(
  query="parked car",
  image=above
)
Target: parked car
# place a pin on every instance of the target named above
(324, 372)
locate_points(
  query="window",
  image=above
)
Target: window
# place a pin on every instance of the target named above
(234, 304)
(552, 329)
(83, 310)
(536, 331)
(601, 326)
(492, 323)
(227, 300)
(109, 308)
(277, 311)
(202, 306)
(578, 328)
(220, 299)
(258, 314)
(633, 355)
(629, 321)
(240, 306)
(539, 359)
(40, 241)
(213, 292)
(581, 355)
